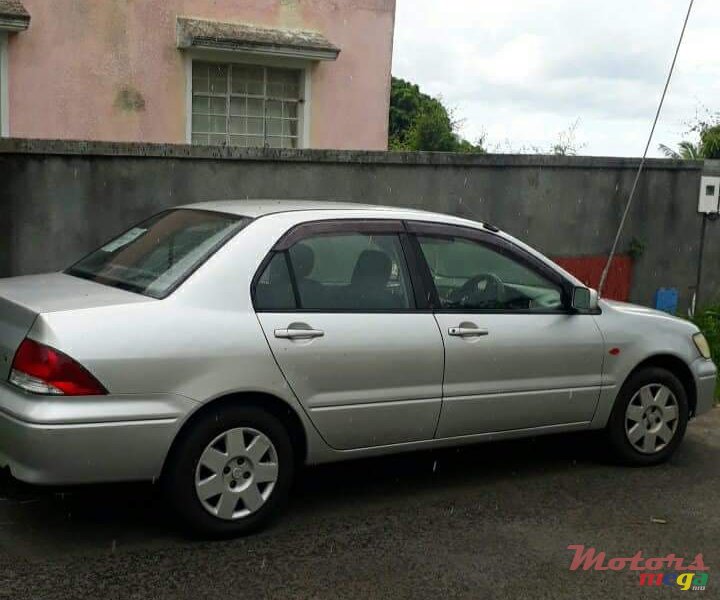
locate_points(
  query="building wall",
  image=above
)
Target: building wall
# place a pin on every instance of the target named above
(73, 71)
(60, 200)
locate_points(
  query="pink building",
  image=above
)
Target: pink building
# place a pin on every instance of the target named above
(277, 73)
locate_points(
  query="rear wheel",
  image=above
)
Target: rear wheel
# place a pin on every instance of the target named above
(231, 472)
(649, 419)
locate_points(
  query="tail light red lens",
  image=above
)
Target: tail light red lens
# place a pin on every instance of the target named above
(40, 369)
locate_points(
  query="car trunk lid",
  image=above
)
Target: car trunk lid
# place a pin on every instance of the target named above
(15, 321)
(23, 299)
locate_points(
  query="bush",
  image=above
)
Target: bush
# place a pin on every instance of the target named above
(709, 323)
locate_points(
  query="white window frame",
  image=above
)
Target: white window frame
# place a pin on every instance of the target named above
(4, 84)
(229, 57)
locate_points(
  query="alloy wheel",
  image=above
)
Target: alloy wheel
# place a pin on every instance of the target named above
(236, 473)
(651, 418)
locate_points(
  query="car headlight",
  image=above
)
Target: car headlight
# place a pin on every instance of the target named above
(702, 345)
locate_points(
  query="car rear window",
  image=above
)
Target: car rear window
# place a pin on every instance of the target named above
(156, 256)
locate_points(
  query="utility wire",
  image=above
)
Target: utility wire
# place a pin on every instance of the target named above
(606, 270)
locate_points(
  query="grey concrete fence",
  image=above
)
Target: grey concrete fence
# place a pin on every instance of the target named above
(59, 200)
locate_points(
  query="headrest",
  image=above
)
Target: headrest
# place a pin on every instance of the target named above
(374, 266)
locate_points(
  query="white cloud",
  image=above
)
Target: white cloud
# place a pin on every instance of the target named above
(524, 70)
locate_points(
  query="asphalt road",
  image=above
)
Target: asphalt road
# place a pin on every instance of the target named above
(491, 521)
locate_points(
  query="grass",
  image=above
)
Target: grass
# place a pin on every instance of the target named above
(708, 320)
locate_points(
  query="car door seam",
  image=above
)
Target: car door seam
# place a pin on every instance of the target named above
(287, 382)
(602, 368)
(442, 383)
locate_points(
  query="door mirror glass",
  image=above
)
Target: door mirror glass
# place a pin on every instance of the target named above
(584, 299)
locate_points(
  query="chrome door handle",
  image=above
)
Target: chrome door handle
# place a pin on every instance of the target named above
(298, 334)
(467, 332)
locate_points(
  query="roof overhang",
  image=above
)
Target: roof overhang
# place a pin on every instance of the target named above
(13, 16)
(251, 39)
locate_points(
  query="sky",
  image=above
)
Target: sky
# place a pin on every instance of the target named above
(521, 72)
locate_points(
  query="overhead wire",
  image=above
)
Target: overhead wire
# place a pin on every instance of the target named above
(613, 251)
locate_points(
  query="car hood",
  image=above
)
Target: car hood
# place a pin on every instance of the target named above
(644, 312)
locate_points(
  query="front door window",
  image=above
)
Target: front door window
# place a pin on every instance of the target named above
(469, 275)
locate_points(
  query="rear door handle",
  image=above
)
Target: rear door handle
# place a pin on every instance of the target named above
(467, 332)
(298, 334)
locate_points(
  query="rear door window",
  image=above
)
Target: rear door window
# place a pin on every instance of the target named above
(156, 256)
(338, 272)
(274, 290)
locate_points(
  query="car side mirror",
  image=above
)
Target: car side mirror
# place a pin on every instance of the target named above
(584, 299)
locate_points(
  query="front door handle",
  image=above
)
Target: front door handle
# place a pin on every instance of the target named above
(298, 334)
(467, 332)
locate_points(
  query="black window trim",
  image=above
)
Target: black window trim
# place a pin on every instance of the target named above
(496, 243)
(291, 275)
(418, 300)
(335, 227)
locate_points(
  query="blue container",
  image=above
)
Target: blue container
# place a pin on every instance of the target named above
(666, 299)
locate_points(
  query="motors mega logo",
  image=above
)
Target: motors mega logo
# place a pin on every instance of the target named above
(684, 577)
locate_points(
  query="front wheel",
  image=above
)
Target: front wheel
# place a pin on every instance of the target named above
(231, 472)
(649, 419)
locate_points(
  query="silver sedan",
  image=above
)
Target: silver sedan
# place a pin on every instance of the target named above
(218, 347)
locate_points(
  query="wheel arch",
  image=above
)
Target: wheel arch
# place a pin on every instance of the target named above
(276, 406)
(678, 367)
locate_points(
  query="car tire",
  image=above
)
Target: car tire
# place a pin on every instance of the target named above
(651, 407)
(216, 454)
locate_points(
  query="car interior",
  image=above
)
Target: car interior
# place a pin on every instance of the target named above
(375, 282)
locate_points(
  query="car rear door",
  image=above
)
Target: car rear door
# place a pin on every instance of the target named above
(337, 304)
(516, 357)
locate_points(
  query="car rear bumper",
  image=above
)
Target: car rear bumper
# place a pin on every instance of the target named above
(705, 373)
(58, 440)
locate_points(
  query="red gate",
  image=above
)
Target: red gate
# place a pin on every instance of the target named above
(588, 269)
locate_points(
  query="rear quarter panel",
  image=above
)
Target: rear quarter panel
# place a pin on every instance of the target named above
(202, 342)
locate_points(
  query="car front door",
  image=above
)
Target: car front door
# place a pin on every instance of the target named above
(516, 357)
(337, 304)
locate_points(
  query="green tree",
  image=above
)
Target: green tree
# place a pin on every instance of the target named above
(708, 145)
(686, 151)
(432, 129)
(419, 122)
(710, 142)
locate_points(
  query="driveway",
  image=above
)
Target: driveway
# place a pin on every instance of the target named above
(491, 521)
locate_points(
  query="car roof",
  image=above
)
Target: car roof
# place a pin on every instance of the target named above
(324, 208)
(259, 208)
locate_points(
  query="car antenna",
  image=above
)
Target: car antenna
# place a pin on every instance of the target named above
(613, 250)
(474, 217)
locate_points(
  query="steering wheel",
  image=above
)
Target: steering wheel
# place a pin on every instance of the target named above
(485, 290)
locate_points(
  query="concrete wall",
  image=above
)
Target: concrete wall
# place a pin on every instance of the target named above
(72, 72)
(59, 200)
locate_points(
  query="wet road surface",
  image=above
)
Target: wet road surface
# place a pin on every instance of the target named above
(490, 521)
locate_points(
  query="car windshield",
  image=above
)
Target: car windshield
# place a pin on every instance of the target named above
(156, 256)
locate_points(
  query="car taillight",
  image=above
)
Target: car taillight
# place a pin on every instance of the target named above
(40, 369)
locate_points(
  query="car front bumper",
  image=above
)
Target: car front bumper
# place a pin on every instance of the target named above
(54, 440)
(705, 374)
